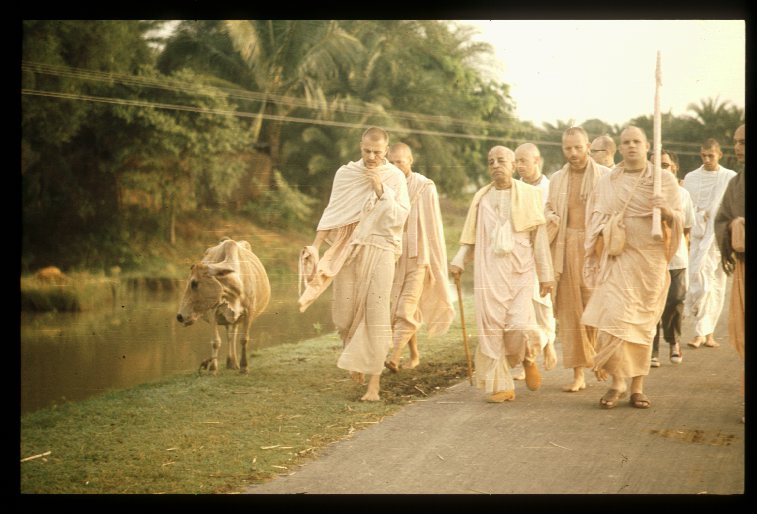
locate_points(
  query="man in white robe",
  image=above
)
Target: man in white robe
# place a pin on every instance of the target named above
(707, 280)
(505, 235)
(419, 292)
(363, 225)
(528, 164)
(630, 288)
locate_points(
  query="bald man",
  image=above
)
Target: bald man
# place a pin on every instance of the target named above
(569, 191)
(504, 233)
(528, 164)
(603, 150)
(362, 224)
(629, 288)
(419, 292)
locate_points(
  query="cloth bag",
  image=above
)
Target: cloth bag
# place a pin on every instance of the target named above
(738, 235)
(614, 231)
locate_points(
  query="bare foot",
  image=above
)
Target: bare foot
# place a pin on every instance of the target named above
(357, 377)
(414, 361)
(550, 358)
(391, 366)
(576, 386)
(601, 374)
(372, 394)
(697, 341)
(710, 342)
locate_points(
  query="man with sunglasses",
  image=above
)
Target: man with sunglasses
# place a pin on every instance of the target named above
(669, 325)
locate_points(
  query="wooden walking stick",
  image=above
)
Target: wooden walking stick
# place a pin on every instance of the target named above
(657, 186)
(462, 322)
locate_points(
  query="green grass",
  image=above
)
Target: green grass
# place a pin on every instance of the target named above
(219, 434)
(197, 434)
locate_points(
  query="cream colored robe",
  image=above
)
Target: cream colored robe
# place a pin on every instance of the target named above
(631, 288)
(556, 209)
(419, 292)
(570, 294)
(543, 309)
(366, 241)
(707, 280)
(508, 251)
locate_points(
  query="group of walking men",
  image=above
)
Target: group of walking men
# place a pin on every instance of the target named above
(547, 261)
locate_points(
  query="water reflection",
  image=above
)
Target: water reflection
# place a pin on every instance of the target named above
(72, 356)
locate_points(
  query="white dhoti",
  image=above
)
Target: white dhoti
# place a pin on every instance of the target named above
(361, 310)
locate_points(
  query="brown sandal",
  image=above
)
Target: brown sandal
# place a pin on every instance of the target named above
(640, 401)
(611, 397)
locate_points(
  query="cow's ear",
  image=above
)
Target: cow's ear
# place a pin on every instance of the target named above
(219, 270)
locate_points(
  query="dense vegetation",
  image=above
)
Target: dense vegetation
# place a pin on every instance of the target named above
(127, 130)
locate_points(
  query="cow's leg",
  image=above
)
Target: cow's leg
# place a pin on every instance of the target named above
(215, 346)
(231, 339)
(245, 325)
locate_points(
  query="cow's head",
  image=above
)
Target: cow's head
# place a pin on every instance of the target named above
(204, 291)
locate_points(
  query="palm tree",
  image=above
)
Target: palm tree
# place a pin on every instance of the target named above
(288, 60)
(716, 119)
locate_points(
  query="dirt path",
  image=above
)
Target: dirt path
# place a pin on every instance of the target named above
(691, 440)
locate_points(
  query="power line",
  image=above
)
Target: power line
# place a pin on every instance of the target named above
(190, 87)
(216, 92)
(345, 106)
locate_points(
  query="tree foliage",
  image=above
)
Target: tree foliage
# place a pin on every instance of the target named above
(124, 131)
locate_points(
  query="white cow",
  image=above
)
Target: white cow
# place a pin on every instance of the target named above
(229, 287)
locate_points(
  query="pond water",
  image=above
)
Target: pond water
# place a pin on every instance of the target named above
(73, 356)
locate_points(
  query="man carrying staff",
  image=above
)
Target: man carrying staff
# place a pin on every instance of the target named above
(363, 226)
(419, 292)
(729, 230)
(569, 191)
(630, 288)
(707, 280)
(505, 234)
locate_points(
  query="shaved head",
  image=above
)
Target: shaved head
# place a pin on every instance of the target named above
(528, 162)
(401, 156)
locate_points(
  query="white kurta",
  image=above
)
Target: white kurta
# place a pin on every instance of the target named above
(507, 264)
(681, 258)
(543, 309)
(707, 280)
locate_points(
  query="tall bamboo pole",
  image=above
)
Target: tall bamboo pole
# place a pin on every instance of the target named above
(657, 187)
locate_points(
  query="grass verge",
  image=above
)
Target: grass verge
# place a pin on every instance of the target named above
(195, 434)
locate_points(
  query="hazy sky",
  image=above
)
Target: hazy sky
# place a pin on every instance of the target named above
(605, 69)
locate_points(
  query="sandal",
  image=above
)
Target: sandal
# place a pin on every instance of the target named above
(676, 355)
(611, 397)
(640, 401)
(502, 396)
(533, 378)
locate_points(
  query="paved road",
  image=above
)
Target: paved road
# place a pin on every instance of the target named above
(690, 441)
